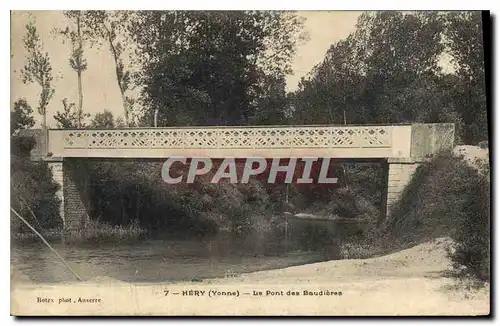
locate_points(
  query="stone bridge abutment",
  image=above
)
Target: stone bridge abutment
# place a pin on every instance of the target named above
(72, 175)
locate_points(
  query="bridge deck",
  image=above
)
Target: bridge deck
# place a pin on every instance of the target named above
(218, 142)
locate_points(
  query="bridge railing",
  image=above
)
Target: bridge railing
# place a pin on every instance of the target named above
(227, 138)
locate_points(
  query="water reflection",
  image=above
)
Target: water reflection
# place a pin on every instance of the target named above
(160, 260)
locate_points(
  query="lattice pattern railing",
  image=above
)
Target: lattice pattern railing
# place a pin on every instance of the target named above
(214, 138)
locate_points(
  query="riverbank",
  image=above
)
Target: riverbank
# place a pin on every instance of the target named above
(408, 282)
(91, 232)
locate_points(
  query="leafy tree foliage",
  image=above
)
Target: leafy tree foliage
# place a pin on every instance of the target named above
(37, 68)
(32, 187)
(272, 106)
(69, 117)
(21, 116)
(378, 74)
(103, 120)
(108, 28)
(202, 68)
(464, 38)
(388, 71)
(76, 35)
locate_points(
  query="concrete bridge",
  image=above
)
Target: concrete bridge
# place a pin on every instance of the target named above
(400, 148)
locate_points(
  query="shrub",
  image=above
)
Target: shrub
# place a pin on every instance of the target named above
(357, 250)
(367, 180)
(32, 188)
(470, 253)
(310, 234)
(483, 144)
(128, 190)
(94, 231)
(349, 203)
(446, 197)
(98, 231)
(432, 201)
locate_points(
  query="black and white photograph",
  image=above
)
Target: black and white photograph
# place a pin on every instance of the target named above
(250, 163)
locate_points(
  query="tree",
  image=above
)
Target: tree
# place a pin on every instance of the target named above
(271, 106)
(464, 40)
(103, 120)
(332, 93)
(208, 67)
(387, 71)
(21, 116)
(75, 34)
(69, 117)
(109, 27)
(38, 69)
(400, 54)
(32, 187)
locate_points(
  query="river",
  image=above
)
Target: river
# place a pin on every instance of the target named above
(158, 260)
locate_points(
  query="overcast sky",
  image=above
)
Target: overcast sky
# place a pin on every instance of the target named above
(98, 81)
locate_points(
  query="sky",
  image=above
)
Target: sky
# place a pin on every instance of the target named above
(99, 82)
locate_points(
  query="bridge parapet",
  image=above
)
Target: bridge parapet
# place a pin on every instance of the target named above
(243, 137)
(279, 141)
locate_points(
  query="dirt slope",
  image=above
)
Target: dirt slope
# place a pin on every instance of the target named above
(425, 260)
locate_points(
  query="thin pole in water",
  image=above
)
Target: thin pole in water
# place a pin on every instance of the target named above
(48, 245)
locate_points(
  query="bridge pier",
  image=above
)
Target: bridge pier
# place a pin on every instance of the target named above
(398, 173)
(73, 178)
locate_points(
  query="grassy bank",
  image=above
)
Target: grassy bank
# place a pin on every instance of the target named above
(446, 197)
(93, 232)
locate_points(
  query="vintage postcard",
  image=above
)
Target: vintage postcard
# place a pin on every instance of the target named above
(250, 163)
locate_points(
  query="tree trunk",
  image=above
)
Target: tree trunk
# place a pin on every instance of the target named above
(125, 105)
(118, 77)
(80, 100)
(44, 119)
(156, 118)
(79, 73)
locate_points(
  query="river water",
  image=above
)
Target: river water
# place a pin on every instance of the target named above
(159, 260)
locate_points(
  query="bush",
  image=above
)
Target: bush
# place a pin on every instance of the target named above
(483, 144)
(349, 203)
(125, 191)
(432, 201)
(94, 231)
(32, 188)
(446, 197)
(98, 231)
(471, 249)
(314, 237)
(358, 250)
